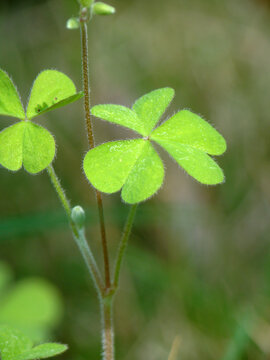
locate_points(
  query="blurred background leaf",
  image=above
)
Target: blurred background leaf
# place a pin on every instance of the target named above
(31, 305)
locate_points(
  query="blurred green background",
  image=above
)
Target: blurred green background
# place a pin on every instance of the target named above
(198, 265)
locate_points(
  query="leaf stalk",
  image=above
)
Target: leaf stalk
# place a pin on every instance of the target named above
(78, 234)
(123, 244)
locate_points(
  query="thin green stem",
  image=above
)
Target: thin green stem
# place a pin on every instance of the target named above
(60, 191)
(91, 140)
(90, 262)
(78, 234)
(104, 240)
(123, 243)
(107, 328)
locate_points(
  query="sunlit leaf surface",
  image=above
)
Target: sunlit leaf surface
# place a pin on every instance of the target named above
(50, 88)
(10, 102)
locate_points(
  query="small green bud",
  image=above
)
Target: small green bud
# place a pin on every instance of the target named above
(86, 3)
(73, 23)
(78, 216)
(100, 8)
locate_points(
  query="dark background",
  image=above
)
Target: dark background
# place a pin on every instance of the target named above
(198, 265)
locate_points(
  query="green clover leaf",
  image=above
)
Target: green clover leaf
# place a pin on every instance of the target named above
(14, 345)
(10, 102)
(27, 143)
(134, 165)
(144, 115)
(51, 90)
(188, 139)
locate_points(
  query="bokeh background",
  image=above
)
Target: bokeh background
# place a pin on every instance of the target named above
(198, 264)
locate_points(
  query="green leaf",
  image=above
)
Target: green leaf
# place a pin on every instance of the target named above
(32, 306)
(107, 166)
(145, 178)
(188, 138)
(10, 103)
(28, 144)
(38, 148)
(120, 115)
(11, 146)
(12, 343)
(187, 128)
(50, 88)
(196, 162)
(42, 351)
(151, 107)
(131, 164)
(135, 166)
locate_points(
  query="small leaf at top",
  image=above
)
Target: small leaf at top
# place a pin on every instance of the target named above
(10, 102)
(120, 115)
(28, 144)
(151, 107)
(187, 128)
(42, 351)
(12, 343)
(196, 162)
(130, 164)
(50, 88)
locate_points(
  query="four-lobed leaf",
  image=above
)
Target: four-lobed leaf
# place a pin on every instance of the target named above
(134, 165)
(27, 143)
(14, 345)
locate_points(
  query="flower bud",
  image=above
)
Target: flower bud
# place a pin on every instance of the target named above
(100, 8)
(78, 216)
(73, 23)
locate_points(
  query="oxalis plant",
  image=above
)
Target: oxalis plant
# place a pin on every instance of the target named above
(132, 166)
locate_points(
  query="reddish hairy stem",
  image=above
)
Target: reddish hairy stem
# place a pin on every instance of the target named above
(91, 141)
